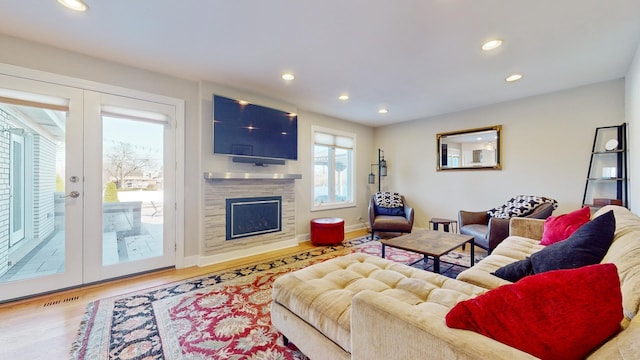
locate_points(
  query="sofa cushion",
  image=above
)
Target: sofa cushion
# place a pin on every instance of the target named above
(321, 294)
(557, 228)
(625, 253)
(513, 249)
(587, 246)
(520, 205)
(573, 312)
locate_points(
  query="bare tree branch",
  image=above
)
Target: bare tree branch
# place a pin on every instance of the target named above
(123, 162)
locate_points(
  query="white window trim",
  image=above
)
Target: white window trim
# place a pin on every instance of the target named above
(334, 205)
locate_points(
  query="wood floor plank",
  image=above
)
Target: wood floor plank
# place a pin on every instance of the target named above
(45, 327)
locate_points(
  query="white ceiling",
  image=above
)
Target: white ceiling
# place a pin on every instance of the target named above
(418, 58)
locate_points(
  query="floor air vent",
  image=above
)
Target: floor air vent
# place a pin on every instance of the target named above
(61, 301)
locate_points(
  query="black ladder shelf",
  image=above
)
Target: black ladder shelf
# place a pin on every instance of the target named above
(607, 175)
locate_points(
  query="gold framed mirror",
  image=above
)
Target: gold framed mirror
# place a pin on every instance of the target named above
(473, 149)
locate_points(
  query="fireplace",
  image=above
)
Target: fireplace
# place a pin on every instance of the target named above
(253, 216)
(222, 186)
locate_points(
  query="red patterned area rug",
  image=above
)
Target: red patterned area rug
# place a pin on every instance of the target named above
(223, 315)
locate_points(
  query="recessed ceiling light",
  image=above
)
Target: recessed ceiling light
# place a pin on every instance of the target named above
(383, 111)
(76, 5)
(343, 97)
(512, 78)
(288, 76)
(243, 102)
(491, 44)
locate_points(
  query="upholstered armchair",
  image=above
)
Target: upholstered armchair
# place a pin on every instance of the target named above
(490, 227)
(390, 213)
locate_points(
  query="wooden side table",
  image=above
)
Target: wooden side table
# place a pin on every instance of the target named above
(447, 224)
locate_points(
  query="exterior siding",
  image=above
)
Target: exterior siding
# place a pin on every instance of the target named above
(40, 159)
(44, 187)
(4, 192)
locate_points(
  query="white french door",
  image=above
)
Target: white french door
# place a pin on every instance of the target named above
(130, 177)
(92, 192)
(40, 126)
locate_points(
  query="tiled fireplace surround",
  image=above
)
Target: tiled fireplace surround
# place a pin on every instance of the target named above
(219, 187)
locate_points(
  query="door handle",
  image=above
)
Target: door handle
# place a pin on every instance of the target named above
(73, 194)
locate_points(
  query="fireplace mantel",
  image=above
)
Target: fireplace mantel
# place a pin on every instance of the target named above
(249, 176)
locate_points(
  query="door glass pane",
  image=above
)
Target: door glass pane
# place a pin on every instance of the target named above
(32, 211)
(133, 189)
(343, 170)
(321, 174)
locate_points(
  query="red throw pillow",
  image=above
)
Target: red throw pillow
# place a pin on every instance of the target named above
(560, 314)
(557, 228)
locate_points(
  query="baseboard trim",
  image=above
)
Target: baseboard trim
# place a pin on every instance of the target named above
(196, 260)
(242, 253)
(189, 261)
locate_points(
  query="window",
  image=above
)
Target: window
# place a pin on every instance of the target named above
(17, 188)
(333, 169)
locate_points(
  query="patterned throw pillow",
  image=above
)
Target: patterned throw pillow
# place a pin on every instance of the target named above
(520, 205)
(388, 200)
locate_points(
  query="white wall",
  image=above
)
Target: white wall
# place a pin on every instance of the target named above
(632, 104)
(546, 142)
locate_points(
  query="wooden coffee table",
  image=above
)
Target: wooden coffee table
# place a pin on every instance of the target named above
(430, 244)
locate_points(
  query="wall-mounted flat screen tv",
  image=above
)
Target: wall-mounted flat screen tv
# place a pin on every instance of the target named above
(243, 129)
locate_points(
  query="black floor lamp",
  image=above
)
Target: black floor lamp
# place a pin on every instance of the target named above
(382, 170)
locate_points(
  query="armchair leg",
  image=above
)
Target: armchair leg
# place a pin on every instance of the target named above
(372, 234)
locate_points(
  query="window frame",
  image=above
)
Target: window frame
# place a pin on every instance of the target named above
(334, 204)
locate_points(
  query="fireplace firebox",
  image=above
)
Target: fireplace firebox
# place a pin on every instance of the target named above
(253, 216)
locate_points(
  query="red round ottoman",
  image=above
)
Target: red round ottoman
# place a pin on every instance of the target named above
(327, 231)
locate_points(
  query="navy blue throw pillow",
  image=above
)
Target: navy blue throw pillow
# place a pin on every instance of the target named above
(394, 211)
(515, 271)
(587, 246)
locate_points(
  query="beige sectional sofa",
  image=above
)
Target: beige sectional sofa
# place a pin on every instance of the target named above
(363, 307)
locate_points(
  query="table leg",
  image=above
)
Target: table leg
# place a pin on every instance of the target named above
(436, 264)
(383, 250)
(472, 250)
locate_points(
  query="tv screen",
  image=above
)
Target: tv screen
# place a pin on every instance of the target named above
(249, 130)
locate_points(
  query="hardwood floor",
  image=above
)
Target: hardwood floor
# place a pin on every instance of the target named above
(44, 327)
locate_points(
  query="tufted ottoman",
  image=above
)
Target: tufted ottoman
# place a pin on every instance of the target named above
(312, 306)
